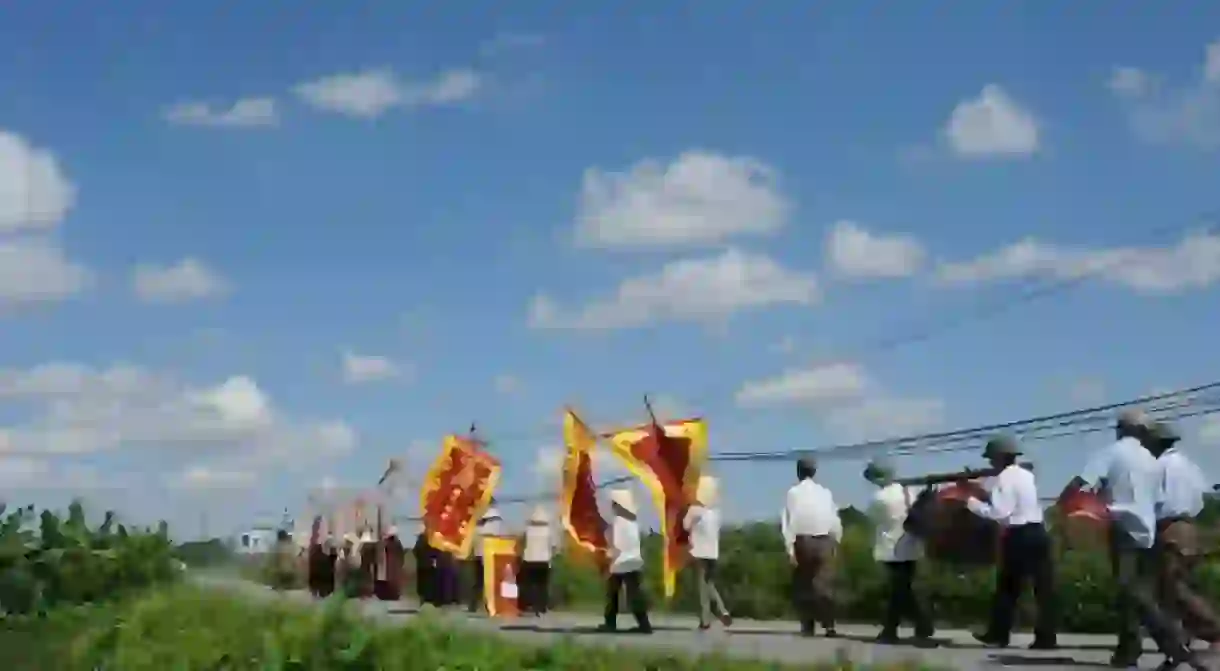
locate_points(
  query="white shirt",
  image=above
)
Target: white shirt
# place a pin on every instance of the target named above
(809, 510)
(704, 527)
(625, 555)
(1014, 499)
(888, 511)
(538, 543)
(1183, 486)
(1130, 480)
(492, 527)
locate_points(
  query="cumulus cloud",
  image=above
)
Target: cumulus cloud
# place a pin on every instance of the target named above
(992, 125)
(187, 280)
(244, 113)
(70, 408)
(699, 198)
(1192, 263)
(706, 289)
(854, 252)
(1159, 112)
(35, 197)
(365, 368)
(371, 93)
(846, 399)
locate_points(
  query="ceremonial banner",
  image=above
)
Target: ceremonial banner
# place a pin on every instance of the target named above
(668, 460)
(456, 493)
(501, 555)
(578, 501)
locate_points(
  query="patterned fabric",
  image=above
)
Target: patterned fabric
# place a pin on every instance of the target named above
(457, 491)
(580, 514)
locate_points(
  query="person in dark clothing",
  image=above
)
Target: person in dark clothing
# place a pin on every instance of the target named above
(626, 564)
(388, 586)
(899, 551)
(535, 570)
(426, 574)
(1025, 552)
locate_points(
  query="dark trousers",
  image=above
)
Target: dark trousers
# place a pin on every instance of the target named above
(1025, 556)
(903, 602)
(448, 580)
(426, 583)
(629, 582)
(474, 569)
(535, 583)
(1135, 575)
(1177, 551)
(813, 581)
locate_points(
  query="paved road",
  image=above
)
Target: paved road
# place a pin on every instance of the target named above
(767, 640)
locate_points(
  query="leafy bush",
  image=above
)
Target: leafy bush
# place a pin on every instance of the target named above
(46, 561)
(186, 628)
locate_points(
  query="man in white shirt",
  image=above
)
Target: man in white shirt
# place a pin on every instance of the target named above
(1025, 547)
(626, 564)
(812, 529)
(898, 551)
(702, 522)
(1129, 479)
(535, 575)
(1180, 501)
(489, 525)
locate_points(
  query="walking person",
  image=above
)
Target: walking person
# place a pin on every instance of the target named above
(812, 530)
(702, 522)
(1129, 479)
(1025, 547)
(898, 551)
(626, 564)
(1179, 502)
(535, 575)
(427, 579)
(489, 525)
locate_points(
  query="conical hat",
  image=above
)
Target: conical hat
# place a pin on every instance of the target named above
(539, 516)
(708, 490)
(625, 499)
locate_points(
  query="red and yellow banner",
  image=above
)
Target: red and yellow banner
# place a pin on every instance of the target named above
(456, 493)
(668, 460)
(501, 556)
(578, 501)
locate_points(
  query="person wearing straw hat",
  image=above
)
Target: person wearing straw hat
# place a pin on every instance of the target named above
(535, 576)
(626, 564)
(489, 525)
(1181, 499)
(812, 529)
(898, 551)
(702, 522)
(388, 583)
(1129, 479)
(1025, 548)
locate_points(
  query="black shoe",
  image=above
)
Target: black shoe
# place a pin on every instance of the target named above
(831, 633)
(1125, 660)
(991, 640)
(606, 629)
(888, 638)
(642, 629)
(1044, 644)
(704, 626)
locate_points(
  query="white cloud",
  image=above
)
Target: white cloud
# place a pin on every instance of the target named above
(701, 198)
(244, 113)
(818, 385)
(35, 197)
(853, 252)
(1193, 263)
(846, 399)
(706, 289)
(35, 270)
(186, 280)
(992, 125)
(70, 408)
(1158, 113)
(507, 384)
(371, 93)
(359, 369)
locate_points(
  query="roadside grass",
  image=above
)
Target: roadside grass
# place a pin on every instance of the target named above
(190, 628)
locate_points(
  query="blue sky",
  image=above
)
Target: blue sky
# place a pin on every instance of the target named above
(244, 252)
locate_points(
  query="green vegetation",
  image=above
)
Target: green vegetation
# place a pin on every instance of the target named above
(108, 598)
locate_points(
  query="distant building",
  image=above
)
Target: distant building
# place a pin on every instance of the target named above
(261, 538)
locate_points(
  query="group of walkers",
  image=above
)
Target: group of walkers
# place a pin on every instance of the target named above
(351, 564)
(1151, 490)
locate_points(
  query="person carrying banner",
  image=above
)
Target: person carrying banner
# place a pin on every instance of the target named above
(535, 575)
(626, 564)
(702, 522)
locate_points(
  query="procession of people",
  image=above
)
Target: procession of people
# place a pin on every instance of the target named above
(1151, 491)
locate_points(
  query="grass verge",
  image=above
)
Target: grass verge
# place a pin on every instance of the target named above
(187, 628)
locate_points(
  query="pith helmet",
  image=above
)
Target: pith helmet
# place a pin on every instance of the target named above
(708, 490)
(1001, 446)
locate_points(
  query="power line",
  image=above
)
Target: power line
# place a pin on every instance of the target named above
(1169, 406)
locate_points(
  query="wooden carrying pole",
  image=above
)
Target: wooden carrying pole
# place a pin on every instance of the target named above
(944, 478)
